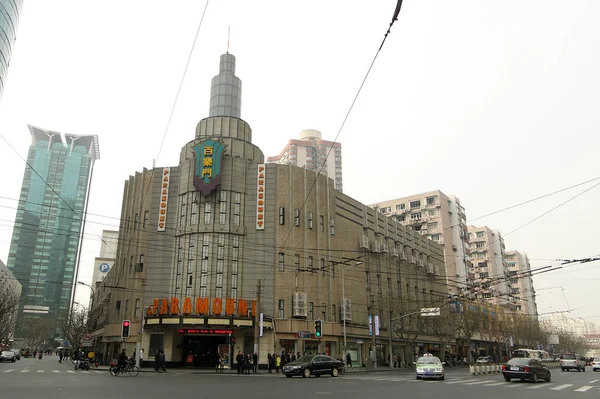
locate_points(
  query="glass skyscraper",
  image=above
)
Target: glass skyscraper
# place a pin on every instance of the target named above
(10, 10)
(47, 236)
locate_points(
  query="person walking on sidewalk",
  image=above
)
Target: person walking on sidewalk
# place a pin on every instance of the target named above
(348, 360)
(255, 362)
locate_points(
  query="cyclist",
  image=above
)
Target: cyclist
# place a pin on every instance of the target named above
(122, 361)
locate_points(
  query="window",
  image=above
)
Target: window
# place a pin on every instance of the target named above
(280, 308)
(401, 218)
(207, 212)
(190, 280)
(235, 257)
(484, 275)
(310, 220)
(480, 234)
(367, 278)
(281, 215)
(296, 217)
(415, 216)
(194, 210)
(482, 264)
(222, 207)
(126, 308)
(415, 204)
(204, 265)
(332, 226)
(430, 200)
(432, 225)
(136, 312)
(118, 307)
(297, 262)
(281, 261)
(182, 213)
(322, 222)
(512, 264)
(480, 245)
(140, 266)
(130, 264)
(435, 237)
(379, 283)
(323, 267)
(136, 220)
(237, 206)
(333, 313)
(310, 264)
(311, 311)
(146, 217)
(400, 207)
(432, 212)
(220, 265)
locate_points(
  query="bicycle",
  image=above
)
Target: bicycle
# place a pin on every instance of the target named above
(130, 368)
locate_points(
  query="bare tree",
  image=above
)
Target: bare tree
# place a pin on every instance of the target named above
(9, 303)
(38, 331)
(444, 326)
(468, 322)
(74, 326)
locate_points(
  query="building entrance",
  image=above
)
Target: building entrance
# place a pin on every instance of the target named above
(203, 348)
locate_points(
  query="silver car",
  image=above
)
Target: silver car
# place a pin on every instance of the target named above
(8, 356)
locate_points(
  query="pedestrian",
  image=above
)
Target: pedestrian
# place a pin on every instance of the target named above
(60, 357)
(161, 361)
(239, 359)
(157, 360)
(277, 364)
(269, 362)
(255, 362)
(348, 360)
(141, 357)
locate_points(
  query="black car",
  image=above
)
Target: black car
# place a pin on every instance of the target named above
(525, 369)
(316, 365)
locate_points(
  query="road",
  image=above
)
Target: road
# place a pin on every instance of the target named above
(46, 378)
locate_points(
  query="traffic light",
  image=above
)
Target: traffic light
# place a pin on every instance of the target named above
(318, 328)
(125, 329)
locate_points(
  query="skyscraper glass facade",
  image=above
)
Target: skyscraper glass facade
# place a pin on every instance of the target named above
(10, 10)
(46, 241)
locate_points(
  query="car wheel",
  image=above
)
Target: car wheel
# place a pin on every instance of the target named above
(306, 373)
(549, 378)
(335, 372)
(317, 375)
(583, 369)
(561, 369)
(534, 378)
(507, 379)
(417, 377)
(442, 378)
(288, 375)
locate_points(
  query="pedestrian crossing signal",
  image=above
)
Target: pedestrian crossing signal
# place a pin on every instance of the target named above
(318, 328)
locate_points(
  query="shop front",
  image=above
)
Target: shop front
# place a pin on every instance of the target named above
(201, 347)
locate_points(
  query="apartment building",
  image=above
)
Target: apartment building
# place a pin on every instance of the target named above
(313, 153)
(489, 271)
(520, 282)
(442, 219)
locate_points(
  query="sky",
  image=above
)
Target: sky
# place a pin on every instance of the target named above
(495, 102)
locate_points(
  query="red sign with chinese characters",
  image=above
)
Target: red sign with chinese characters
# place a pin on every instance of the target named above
(204, 331)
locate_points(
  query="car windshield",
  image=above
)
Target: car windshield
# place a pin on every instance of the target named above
(568, 356)
(429, 360)
(306, 359)
(518, 360)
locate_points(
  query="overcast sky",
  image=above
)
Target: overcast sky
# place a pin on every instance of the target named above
(496, 102)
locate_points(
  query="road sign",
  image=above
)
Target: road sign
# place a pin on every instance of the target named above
(430, 312)
(303, 334)
(86, 342)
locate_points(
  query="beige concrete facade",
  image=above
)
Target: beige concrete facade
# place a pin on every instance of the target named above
(520, 282)
(441, 218)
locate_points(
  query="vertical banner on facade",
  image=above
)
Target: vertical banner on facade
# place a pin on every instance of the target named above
(164, 194)
(260, 197)
(376, 325)
(370, 325)
(260, 324)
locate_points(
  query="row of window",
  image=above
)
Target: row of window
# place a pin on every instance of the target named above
(309, 220)
(136, 310)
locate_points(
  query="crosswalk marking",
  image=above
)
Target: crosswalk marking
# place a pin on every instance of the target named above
(591, 382)
(563, 386)
(40, 371)
(513, 385)
(538, 386)
(459, 381)
(495, 384)
(70, 371)
(55, 371)
(25, 371)
(479, 382)
(9, 370)
(584, 388)
(85, 372)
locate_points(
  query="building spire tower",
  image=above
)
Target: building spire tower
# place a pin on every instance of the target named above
(226, 89)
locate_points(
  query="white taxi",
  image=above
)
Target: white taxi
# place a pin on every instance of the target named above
(429, 366)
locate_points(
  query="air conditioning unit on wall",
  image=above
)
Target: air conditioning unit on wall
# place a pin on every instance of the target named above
(300, 301)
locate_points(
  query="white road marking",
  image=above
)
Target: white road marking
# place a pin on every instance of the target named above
(593, 381)
(480, 382)
(558, 388)
(25, 371)
(55, 371)
(99, 372)
(584, 388)
(459, 381)
(70, 371)
(40, 371)
(496, 384)
(538, 386)
(512, 385)
(9, 370)
(86, 372)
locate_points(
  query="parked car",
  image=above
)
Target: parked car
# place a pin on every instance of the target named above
(572, 361)
(316, 365)
(8, 356)
(525, 369)
(596, 364)
(484, 359)
(429, 366)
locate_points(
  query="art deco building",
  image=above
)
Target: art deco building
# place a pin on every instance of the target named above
(225, 253)
(47, 235)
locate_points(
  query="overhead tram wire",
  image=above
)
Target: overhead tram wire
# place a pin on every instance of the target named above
(318, 173)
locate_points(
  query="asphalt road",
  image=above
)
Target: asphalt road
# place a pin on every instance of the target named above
(46, 378)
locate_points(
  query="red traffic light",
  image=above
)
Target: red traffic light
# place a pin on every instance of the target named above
(126, 323)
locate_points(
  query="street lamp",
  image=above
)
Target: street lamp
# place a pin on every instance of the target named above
(344, 300)
(93, 296)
